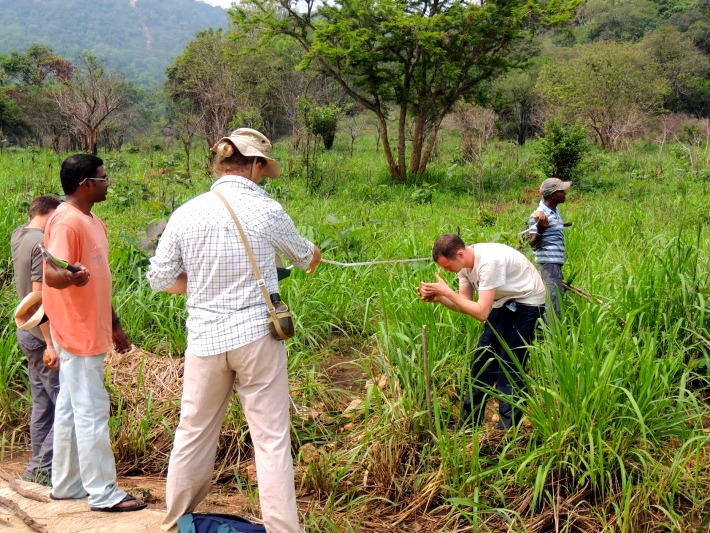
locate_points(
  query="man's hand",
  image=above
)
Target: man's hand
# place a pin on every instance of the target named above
(121, 342)
(433, 292)
(315, 261)
(422, 296)
(541, 220)
(51, 358)
(61, 278)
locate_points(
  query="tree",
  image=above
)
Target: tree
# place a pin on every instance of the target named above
(421, 57)
(320, 121)
(205, 81)
(622, 21)
(30, 79)
(695, 23)
(92, 101)
(681, 64)
(608, 87)
(183, 126)
(38, 66)
(517, 104)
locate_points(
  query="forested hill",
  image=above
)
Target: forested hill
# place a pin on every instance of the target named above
(137, 37)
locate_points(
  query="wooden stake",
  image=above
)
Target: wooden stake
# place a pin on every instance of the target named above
(427, 379)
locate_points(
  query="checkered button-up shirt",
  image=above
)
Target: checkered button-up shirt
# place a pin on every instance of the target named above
(226, 308)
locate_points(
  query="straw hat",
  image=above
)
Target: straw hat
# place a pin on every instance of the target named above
(30, 312)
(251, 143)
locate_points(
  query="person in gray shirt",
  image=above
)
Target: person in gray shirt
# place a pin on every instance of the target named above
(44, 379)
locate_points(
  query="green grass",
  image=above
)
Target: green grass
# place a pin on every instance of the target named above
(616, 437)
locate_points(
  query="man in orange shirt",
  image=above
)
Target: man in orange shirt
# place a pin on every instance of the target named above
(84, 327)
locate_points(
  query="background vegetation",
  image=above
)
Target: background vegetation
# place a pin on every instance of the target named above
(137, 37)
(617, 436)
(613, 95)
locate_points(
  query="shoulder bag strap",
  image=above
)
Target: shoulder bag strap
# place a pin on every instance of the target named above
(259, 280)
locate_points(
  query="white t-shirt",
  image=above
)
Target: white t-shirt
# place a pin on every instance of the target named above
(500, 267)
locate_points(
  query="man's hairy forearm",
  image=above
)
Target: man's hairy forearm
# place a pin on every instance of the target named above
(447, 302)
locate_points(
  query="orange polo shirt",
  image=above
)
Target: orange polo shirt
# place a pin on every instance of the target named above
(79, 317)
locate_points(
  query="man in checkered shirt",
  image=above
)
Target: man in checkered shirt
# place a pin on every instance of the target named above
(201, 253)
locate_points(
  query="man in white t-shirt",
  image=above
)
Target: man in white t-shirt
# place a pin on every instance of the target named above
(511, 299)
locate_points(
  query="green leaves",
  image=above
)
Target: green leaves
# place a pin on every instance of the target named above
(420, 57)
(608, 87)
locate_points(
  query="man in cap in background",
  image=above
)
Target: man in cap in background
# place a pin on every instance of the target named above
(34, 341)
(201, 253)
(545, 227)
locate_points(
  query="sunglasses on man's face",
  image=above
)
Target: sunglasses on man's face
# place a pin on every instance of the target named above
(103, 180)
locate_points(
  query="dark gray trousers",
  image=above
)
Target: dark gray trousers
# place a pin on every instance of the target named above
(551, 274)
(44, 386)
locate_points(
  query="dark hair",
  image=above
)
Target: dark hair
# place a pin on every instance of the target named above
(43, 205)
(76, 168)
(446, 246)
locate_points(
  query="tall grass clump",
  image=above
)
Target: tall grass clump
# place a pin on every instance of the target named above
(608, 409)
(14, 387)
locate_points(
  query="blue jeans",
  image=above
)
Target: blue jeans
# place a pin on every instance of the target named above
(83, 459)
(492, 364)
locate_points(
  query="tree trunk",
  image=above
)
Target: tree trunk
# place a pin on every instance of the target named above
(394, 170)
(432, 139)
(522, 124)
(415, 158)
(402, 143)
(186, 147)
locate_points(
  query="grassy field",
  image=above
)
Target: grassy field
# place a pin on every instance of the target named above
(617, 436)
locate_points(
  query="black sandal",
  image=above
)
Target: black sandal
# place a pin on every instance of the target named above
(117, 508)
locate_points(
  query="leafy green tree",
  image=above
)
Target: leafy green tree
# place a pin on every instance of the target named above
(682, 65)
(38, 66)
(622, 21)
(321, 121)
(517, 104)
(219, 78)
(695, 23)
(607, 87)
(204, 81)
(30, 79)
(8, 112)
(418, 57)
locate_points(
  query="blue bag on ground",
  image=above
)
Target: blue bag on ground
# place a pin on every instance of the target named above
(216, 523)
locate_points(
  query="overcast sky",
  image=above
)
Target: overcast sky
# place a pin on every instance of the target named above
(221, 3)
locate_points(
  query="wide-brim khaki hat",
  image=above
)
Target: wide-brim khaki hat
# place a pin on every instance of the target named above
(30, 312)
(252, 143)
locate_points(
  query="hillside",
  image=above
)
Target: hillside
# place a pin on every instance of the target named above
(137, 37)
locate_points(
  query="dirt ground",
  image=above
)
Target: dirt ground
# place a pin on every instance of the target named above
(221, 499)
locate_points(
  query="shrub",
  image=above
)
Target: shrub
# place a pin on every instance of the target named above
(562, 149)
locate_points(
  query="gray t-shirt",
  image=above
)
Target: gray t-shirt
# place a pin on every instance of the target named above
(27, 262)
